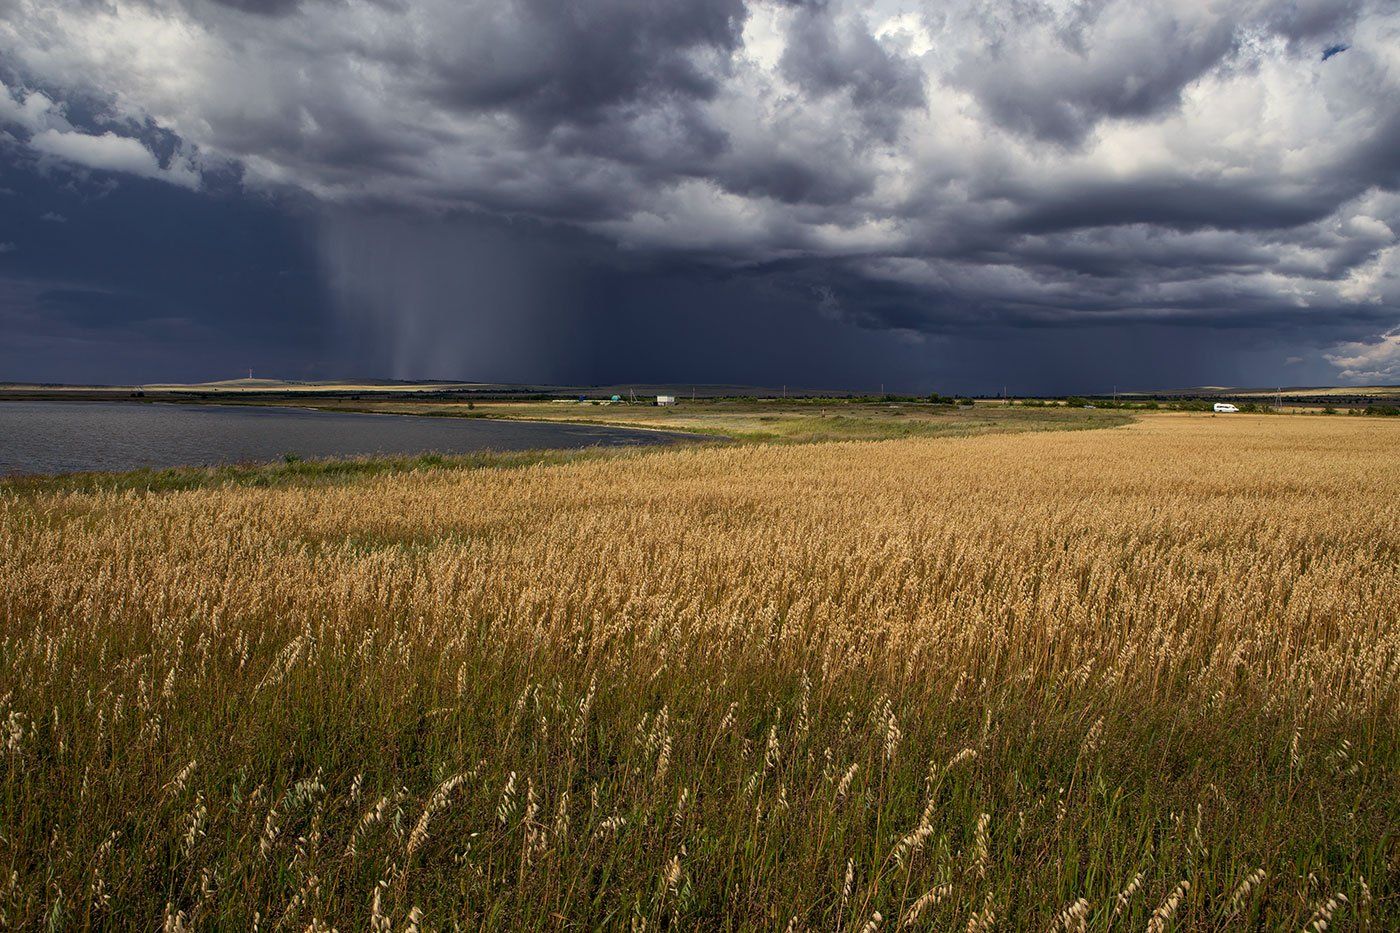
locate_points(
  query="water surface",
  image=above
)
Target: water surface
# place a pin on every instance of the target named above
(63, 437)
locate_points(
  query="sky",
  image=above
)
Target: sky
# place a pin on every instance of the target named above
(1046, 197)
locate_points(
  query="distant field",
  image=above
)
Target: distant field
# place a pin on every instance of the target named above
(1289, 393)
(1144, 677)
(773, 420)
(1368, 391)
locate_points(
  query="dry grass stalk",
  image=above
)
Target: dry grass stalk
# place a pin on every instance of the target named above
(714, 684)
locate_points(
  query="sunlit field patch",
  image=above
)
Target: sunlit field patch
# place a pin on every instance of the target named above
(1140, 677)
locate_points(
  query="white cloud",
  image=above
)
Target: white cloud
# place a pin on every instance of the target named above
(7, 247)
(1376, 361)
(113, 153)
(33, 110)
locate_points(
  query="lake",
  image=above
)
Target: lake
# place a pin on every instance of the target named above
(64, 437)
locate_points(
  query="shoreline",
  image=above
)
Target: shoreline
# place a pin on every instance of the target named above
(565, 438)
(200, 403)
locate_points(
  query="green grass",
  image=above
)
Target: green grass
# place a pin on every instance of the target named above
(785, 421)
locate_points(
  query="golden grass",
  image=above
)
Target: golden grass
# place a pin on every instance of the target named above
(1142, 677)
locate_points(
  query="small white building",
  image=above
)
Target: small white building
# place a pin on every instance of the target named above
(1226, 408)
(665, 400)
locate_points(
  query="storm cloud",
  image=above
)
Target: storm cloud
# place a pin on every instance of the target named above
(918, 171)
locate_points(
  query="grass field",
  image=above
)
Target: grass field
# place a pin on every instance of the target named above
(772, 420)
(1141, 677)
(1380, 392)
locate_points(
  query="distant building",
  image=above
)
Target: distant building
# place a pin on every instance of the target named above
(665, 400)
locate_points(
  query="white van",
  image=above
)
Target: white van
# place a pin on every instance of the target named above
(1226, 408)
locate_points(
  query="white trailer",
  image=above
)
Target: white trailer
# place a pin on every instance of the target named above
(1226, 408)
(665, 400)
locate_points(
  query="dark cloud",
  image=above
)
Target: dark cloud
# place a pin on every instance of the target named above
(1176, 203)
(568, 64)
(496, 186)
(1304, 20)
(1105, 61)
(261, 7)
(87, 309)
(149, 278)
(1375, 160)
(793, 178)
(828, 54)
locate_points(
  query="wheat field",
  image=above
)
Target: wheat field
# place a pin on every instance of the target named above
(1139, 678)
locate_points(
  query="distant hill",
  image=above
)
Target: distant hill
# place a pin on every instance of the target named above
(291, 385)
(1288, 392)
(282, 387)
